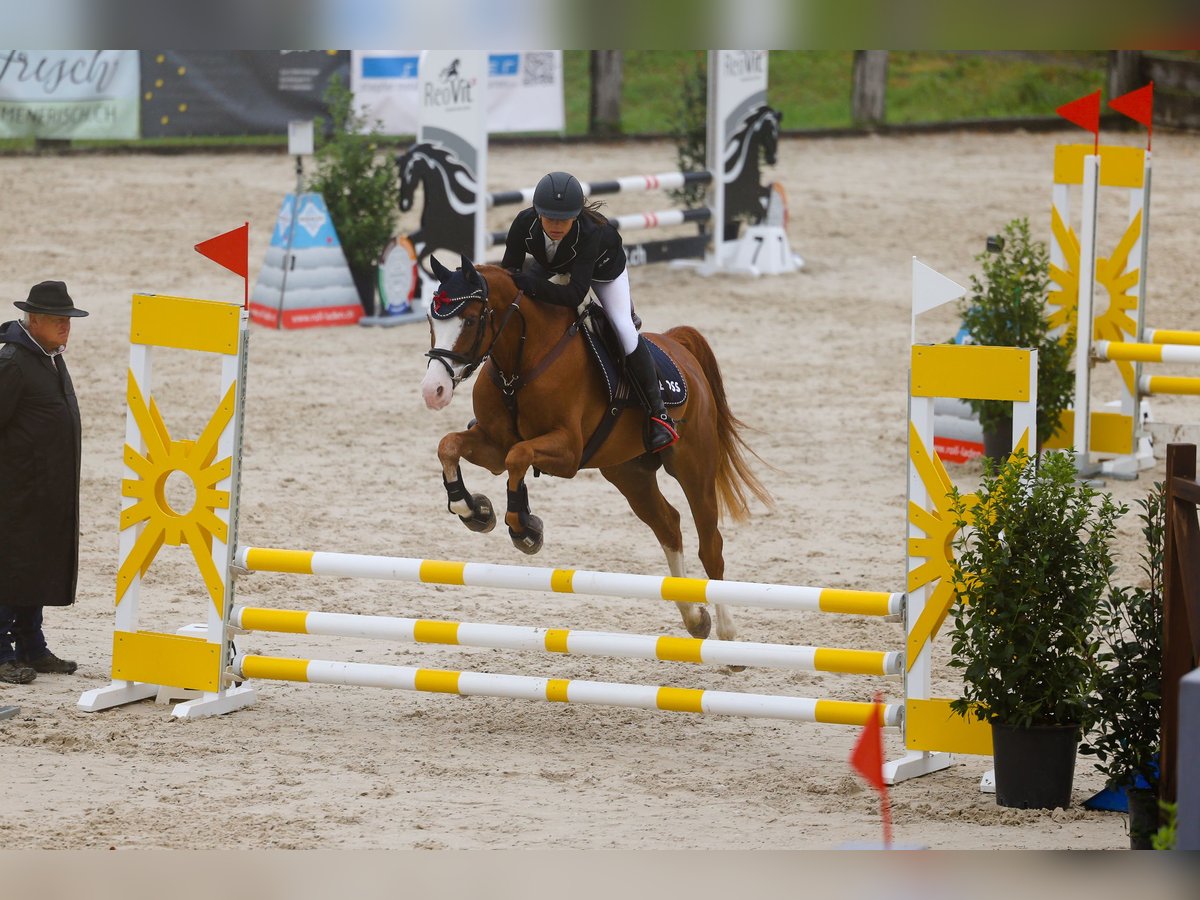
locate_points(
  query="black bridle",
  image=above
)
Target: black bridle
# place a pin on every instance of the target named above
(477, 355)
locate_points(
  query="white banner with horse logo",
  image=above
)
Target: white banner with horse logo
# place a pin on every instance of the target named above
(524, 90)
(63, 94)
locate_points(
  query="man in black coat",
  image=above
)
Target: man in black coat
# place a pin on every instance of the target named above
(39, 480)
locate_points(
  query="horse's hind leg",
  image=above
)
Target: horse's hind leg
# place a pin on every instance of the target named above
(696, 474)
(639, 484)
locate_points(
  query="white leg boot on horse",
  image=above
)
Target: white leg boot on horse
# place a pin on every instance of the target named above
(660, 428)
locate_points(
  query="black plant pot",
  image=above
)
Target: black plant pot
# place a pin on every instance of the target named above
(997, 441)
(1035, 767)
(365, 283)
(1143, 818)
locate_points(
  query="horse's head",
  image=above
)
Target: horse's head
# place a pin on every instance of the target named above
(406, 164)
(462, 325)
(767, 129)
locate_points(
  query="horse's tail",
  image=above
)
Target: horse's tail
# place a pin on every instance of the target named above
(735, 480)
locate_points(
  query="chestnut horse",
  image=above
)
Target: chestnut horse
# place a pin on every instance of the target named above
(540, 401)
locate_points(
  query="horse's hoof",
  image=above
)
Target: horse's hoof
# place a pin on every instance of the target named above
(530, 540)
(483, 519)
(702, 628)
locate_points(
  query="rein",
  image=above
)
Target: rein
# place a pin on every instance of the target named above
(510, 385)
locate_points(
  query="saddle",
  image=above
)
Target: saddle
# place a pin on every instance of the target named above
(605, 350)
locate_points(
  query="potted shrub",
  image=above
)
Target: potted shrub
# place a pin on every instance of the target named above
(359, 185)
(1007, 308)
(1033, 563)
(1128, 701)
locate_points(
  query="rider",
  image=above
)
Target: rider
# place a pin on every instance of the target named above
(565, 235)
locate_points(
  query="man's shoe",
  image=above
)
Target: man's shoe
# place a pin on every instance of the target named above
(51, 664)
(14, 673)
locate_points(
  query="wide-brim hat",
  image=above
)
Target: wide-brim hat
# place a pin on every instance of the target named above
(50, 298)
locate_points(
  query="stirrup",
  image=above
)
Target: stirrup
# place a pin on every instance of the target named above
(660, 433)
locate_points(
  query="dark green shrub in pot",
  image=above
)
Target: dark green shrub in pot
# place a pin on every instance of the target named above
(1128, 701)
(360, 187)
(1007, 308)
(1033, 562)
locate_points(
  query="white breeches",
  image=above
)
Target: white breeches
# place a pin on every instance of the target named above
(615, 300)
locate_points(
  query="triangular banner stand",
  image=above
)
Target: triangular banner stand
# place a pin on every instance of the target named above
(305, 280)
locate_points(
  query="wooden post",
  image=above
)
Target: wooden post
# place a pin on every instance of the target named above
(868, 97)
(604, 108)
(1124, 72)
(1181, 601)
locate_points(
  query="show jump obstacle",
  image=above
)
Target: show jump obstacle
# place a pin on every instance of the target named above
(204, 665)
(1119, 441)
(449, 162)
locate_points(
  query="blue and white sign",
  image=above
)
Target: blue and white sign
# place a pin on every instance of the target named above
(524, 90)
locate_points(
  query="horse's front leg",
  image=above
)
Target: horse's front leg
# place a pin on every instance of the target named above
(554, 452)
(474, 446)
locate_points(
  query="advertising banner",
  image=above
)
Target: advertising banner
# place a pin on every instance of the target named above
(231, 92)
(66, 94)
(524, 90)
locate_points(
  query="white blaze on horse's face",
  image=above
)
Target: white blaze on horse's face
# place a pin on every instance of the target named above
(437, 387)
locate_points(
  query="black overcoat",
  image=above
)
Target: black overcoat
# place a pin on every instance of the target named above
(39, 474)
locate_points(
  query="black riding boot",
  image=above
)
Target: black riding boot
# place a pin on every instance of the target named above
(660, 429)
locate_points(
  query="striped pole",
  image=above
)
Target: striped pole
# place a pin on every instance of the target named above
(1168, 384)
(527, 687)
(572, 581)
(1152, 353)
(567, 641)
(664, 181)
(1168, 336)
(640, 221)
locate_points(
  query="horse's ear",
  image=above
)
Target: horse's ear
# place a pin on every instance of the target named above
(468, 269)
(440, 272)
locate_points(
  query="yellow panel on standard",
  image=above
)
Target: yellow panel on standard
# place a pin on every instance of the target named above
(1110, 433)
(207, 325)
(930, 725)
(173, 660)
(1119, 166)
(970, 372)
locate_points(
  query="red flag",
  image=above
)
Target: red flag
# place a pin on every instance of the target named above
(1084, 112)
(1139, 106)
(231, 249)
(867, 760)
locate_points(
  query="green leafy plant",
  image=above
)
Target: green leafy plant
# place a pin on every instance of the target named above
(1033, 563)
(359, 184)
(690, 132)
(1128, 698)
(1007, 308)
(1164, 838)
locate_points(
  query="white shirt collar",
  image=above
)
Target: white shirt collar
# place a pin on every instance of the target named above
(57, 351)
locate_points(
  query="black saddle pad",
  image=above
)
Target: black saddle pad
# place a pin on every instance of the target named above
(670, 379)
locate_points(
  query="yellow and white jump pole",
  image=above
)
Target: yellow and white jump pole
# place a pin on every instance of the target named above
(572, 581)
(557, 690)
(570, 641)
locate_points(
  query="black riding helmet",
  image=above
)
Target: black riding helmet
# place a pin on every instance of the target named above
(558, 196)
